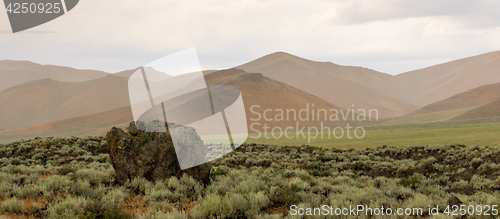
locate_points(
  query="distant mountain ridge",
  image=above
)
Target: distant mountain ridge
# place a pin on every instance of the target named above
(392, 95)
(339, 85)
(471, 98)
(34, 97)
(438, 82)
(14, 73)
(488, 110)
(46, 100)
(255, 89)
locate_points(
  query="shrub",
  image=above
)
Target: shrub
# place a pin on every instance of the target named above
(70, 207)
(55, 184)
(95, 177)
(36, 207)
(216, 171)
(138, 185)
(15, 162)
(411, 182)
(257, 201)
(174, 214)
(114, 198)
(231, 206)
(285, 195)
(356, 166)
(161, 194)
(31, 190)
(93, 211)
(82, 188)
(65, 169)
(12, 206)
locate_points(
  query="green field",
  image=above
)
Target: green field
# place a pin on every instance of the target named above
(479, 133)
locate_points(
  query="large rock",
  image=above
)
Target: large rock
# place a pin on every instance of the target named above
(153, 156)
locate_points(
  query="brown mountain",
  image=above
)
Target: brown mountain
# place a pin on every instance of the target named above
(489, 110)
(47, 100)
(476, 103)
(259, 94)
(472, 98)
(273, 96)
(339, 85)
(255, 89)
(94, 124)
(436, 83)
(14, 73)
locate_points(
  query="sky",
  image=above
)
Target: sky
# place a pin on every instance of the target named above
(390, 36)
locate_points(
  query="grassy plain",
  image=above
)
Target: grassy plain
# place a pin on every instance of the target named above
(482, 133)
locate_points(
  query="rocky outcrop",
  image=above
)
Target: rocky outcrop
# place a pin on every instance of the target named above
(152, 155)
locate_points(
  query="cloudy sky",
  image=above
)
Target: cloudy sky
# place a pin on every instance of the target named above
(391, 36)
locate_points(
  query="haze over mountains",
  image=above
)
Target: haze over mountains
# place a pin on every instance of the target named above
(471, 98)
(255, 89)
(47, 100)
(40, 99)
(477, 103)
(13, 73)
(435, 83)
(365, 88)
(339, 85)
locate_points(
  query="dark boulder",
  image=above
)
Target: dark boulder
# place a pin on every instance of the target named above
(453, 200)
(152, 155)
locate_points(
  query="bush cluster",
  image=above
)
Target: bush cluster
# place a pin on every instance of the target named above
(76, 179)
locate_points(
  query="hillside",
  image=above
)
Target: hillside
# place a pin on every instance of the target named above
(489, 110)
(259, 94)
(94, 124)
(47, 100)
(339, 85)
(436, 83)
(255, 88)
(472, 98)
(14, 73)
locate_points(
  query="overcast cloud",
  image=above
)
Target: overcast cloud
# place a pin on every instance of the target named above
(391, 36)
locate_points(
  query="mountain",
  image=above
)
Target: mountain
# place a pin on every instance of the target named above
(339, 85)
(436, 83)
(47, 100)
(391, 95)
(153, 74)
(472, 98)
(14, 73)
(273, 96)
(266, 102)
(94, 124)
(38, 98)
(471, 104)
(489, 110)
(255, 88)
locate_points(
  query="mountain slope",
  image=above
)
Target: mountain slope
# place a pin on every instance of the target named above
(47, 100)
(98, 123)
(472, 98)
(489, 110)
(339, 85)
(255, 89)
(262, 97)
(436, 83)
(271, 95)
(14, 73)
